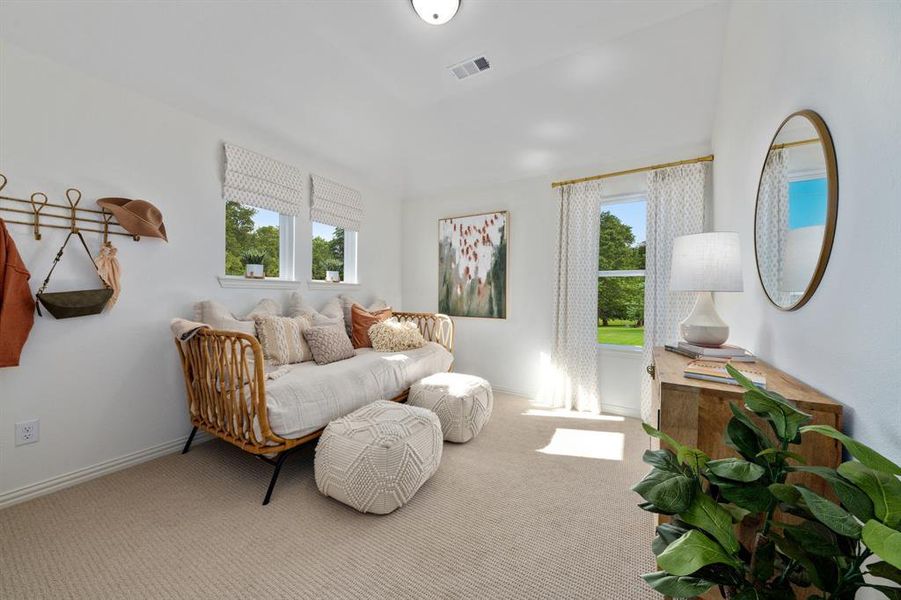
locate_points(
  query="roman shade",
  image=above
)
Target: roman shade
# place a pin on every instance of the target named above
(263, 182)
(335, 204)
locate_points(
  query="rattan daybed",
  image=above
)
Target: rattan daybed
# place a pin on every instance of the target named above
(226, 389)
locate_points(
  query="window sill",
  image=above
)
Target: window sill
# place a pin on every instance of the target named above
(315, 284)
(233, 281)
(621, 349)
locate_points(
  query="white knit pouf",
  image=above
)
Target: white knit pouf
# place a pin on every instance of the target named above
(462, 402)
(378, 456)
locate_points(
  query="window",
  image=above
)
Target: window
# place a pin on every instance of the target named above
(257, 230)
(621, 263)
(334, 249)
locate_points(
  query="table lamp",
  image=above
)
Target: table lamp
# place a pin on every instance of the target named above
(705, 263)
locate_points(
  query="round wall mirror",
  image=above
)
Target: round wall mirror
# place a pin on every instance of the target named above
(797, 204)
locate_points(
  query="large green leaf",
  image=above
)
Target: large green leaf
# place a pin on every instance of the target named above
(861, 452)
(662, 459)
(783, 417)
(736, 469)
(831, 515)
(704, 513)
(883, 541)
(753, 497)
(853, 498)
(814, 537)
(693, 458)
(653, 432)
(667, 533)
(886, 571)
(883, 489)
(673, 495)
(691, 552)
(785, 493)
(652, 479)
(675, 586)
(744, 435)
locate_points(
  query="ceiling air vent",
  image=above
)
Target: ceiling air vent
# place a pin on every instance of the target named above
(469, 67)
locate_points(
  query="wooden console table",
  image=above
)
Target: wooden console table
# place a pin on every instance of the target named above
(695, 412)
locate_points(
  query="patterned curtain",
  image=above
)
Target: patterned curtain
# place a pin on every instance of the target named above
(675, 207)
(573, 379)
(772, 224)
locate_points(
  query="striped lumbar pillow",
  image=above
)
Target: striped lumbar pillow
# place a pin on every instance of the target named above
(282, 339)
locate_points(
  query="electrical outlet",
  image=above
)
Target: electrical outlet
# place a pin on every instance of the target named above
(28, 432)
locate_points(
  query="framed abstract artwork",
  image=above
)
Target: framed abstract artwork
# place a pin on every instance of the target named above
(472, 265)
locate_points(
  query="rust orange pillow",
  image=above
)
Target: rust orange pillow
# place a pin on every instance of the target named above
(361, 320)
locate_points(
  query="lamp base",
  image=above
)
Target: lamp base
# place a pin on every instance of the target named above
(704, 327)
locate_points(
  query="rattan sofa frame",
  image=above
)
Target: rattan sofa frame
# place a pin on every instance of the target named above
(226, 389)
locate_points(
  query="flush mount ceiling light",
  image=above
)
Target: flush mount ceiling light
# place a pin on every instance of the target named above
(436, 12)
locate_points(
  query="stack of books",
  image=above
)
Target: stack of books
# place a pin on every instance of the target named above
(709, 370)
(724, 353)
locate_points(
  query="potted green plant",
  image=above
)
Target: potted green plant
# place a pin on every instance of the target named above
(253, 263)
(825, 546)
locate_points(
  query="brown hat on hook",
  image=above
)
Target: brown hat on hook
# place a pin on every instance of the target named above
(137, 217)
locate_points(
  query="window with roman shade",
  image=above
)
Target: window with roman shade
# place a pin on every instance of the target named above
(262, 182)
(336, 205)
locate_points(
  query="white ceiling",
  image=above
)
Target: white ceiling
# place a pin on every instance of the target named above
(364, 83)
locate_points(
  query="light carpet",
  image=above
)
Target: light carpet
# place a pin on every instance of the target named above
(511, 514)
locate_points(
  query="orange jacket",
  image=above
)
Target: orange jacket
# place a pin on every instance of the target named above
(16, 303)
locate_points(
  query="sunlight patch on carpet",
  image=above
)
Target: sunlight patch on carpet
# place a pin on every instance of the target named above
(584, 443)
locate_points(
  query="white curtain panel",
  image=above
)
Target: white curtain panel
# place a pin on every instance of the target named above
(263, 182)
(336, 205)
(772, 224)
(573, 378)
(675, 208)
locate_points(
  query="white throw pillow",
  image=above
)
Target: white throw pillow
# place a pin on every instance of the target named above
(347, 304)
(329, 314)
(218, 316)
(393, 336)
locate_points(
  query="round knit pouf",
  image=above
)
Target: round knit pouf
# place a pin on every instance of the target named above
(462, 402)
(378, 456)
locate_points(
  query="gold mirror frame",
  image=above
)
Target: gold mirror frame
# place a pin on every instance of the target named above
(831, 206)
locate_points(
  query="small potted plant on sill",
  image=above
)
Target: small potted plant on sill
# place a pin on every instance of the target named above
(737, 525)
(253, 264)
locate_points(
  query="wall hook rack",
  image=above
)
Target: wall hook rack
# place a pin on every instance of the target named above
(74, 215)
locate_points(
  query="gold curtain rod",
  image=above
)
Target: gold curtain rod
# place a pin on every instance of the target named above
(793, 144)
(690, 161)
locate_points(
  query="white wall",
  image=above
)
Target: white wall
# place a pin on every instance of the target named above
(110, 385)
(844, 61)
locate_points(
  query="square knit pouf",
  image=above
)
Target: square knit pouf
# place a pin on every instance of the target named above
(462, 402)
(378, 456)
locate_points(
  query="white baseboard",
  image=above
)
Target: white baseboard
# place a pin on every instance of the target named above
(105, 467)
(607, 409)
(511, 391)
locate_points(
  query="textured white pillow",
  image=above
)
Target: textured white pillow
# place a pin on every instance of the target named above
(393, 336)
(218, 316)
(347, 304)
(329, 314)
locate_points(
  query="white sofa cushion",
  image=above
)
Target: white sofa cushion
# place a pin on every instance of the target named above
(217, 316)
(329, 314)
(309, 396)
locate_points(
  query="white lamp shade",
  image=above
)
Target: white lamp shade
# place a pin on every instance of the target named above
(706, 262)
(436, 12)
(802, 252)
